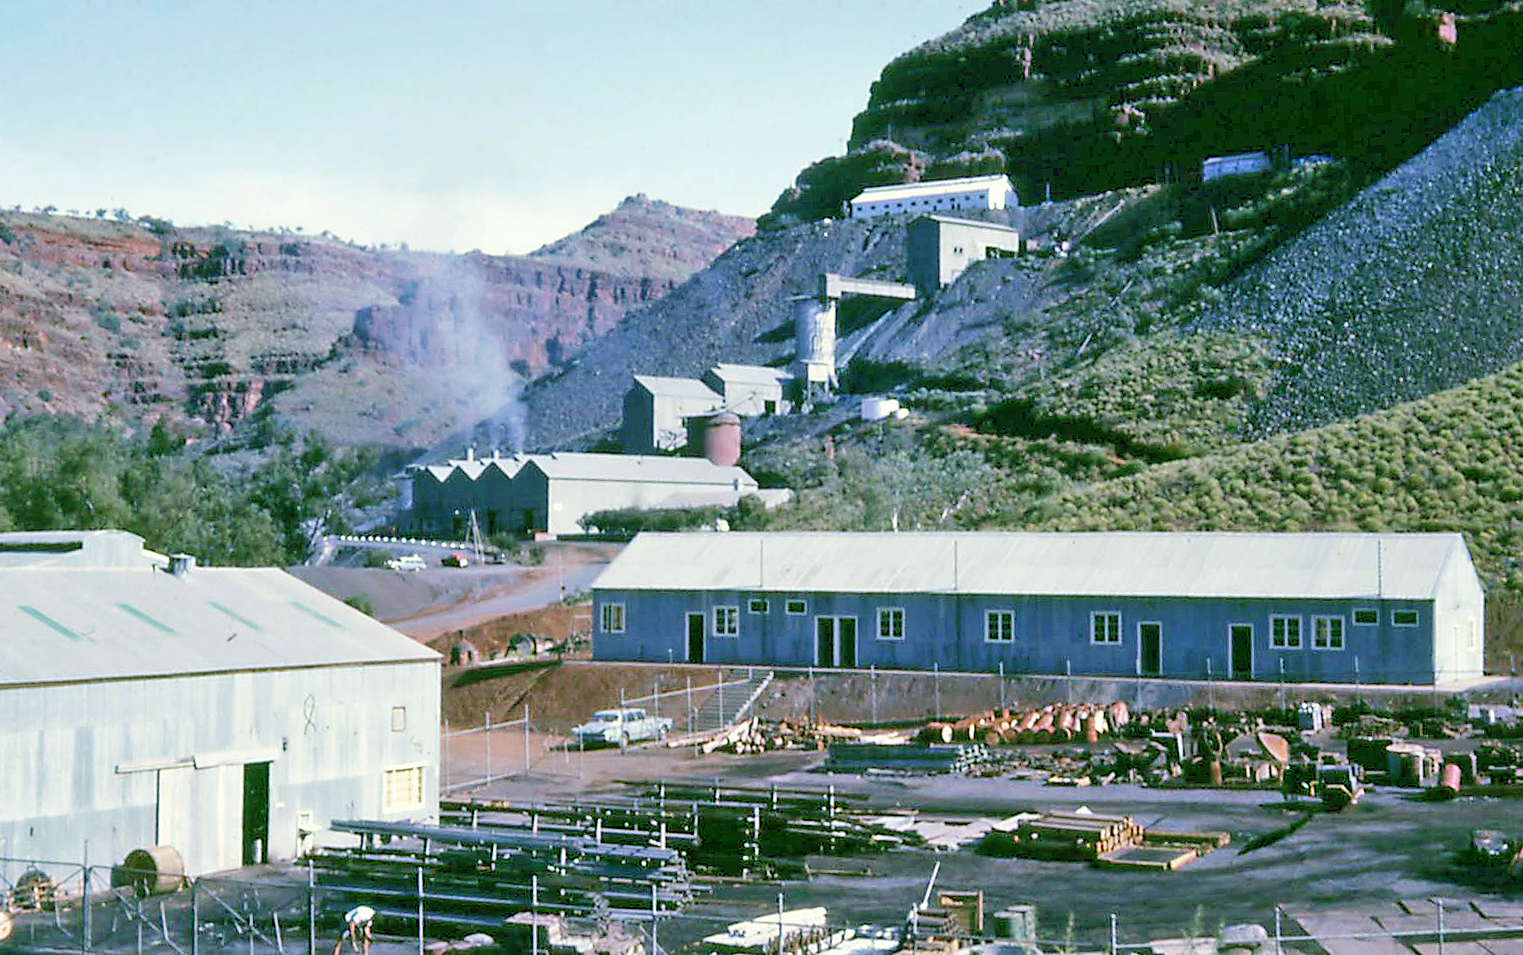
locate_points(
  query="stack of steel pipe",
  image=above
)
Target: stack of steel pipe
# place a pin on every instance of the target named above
(478, 876)
(929, 760)
(1053, 723)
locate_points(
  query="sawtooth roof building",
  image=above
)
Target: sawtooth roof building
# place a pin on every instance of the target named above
(1381, 608)
(228, 713)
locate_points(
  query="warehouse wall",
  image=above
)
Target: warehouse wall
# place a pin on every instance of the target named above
(1051, 635)
(131, 763)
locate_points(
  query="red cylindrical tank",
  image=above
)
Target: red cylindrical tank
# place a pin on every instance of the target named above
(1450, 779)
(721, 440)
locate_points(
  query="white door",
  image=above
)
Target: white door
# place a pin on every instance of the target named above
(200, 813)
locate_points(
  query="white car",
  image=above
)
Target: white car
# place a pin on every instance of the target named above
(409, 562)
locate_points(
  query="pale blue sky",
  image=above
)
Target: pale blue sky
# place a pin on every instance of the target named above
(454, 124)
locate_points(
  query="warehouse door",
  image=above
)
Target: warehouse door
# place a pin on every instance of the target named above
(200, 813)
(835, 641)
(256, 813)
(1150, 648)
(1240, 651)
(695, 638)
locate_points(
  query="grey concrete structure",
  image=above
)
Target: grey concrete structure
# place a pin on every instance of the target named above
(654, 408)
(229, 713)
(1376, 608)
(939, 249)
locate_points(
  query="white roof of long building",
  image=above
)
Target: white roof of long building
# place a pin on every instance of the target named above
(908, 190)
(638, 467)
(75, 624)
(1392, 566)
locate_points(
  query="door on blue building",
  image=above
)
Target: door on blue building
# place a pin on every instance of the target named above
(835, 641)
(1150, 648)
(695, 638)
(1240, 651)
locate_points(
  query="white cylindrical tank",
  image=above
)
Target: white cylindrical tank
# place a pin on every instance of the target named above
(814, 324)
(876, 409)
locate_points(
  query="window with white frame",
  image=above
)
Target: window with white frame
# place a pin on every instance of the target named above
(796, 607)
(1284, 632)
(1403, 618)
(999, 626)
(726, 621)
(1105, 627)
(1327, 633)
(756, 605)
(890, 623)
(1366, 617)
(402, 788)
(613, 618)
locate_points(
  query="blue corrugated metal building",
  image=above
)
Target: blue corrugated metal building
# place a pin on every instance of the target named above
(229, 713)
(1372, 608)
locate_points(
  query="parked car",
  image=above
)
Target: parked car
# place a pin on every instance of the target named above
(409, 562)
(621, 727)
(455, 559)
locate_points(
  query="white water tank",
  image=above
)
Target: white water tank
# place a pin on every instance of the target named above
(814, 324)
(876, 409)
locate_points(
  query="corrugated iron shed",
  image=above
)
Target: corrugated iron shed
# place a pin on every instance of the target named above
(74, 624)
(1312, 565)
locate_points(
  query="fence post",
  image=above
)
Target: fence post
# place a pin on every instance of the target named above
(1440, 904)
(689, 702)
(1282, 683)
(84, 875)
(1002, 684)
(1068, 681)
(420, 911)
(1113, 933)
(872, 675)
(311, 909)
(1277, 935)
(780, 947)
(195, 921)
(487, 722)
(936, 675)
(446, 755)
(1210, 690)
(526, 738)
(722, 720)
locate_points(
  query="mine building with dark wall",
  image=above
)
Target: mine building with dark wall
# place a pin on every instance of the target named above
(654, 407)
(228, 713)
(1341, 608)
(940, 248)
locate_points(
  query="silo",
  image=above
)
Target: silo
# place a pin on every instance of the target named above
(814, 323)
(721, 440)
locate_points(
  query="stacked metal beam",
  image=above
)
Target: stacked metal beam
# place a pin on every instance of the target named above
(858, 758)
(1062, 835)
(467, 876)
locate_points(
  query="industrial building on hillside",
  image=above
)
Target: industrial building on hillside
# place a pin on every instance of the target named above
(230, 714)
(941, 195)
(939, 249)
(551, 493)
(1381, 608)
(654, 409)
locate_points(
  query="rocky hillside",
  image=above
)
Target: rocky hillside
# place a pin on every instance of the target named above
(1078, 96)
(143, 319)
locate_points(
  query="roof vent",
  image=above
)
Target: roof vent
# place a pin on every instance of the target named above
(181, 564)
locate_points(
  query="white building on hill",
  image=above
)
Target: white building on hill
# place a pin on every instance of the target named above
(942, 195)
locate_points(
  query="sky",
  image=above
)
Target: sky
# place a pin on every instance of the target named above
(449, 125)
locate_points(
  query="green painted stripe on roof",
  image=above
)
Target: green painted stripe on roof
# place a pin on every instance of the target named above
(39, 615)
(236, 615)
(161, 627)
(313, 613)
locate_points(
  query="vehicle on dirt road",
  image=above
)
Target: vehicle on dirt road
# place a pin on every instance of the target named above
(408, 562)
(620, 728)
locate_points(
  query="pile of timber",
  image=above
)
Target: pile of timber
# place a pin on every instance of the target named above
(1053, 723)
(758, 736)
(932, 760)
(1116, 841)
(476, 877)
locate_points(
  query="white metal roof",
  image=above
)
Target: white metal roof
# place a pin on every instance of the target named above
(98, 548)
(1392, 566)
(676, 387)
(907, 190)
(638, 468)
(750, 374)
(61, 624)
(970, 223)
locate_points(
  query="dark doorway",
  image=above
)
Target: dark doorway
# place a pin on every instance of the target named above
(256, 813)
(846, 641)
(695, 638)
(1150, 649)
(825, 641)
(1241, 651)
